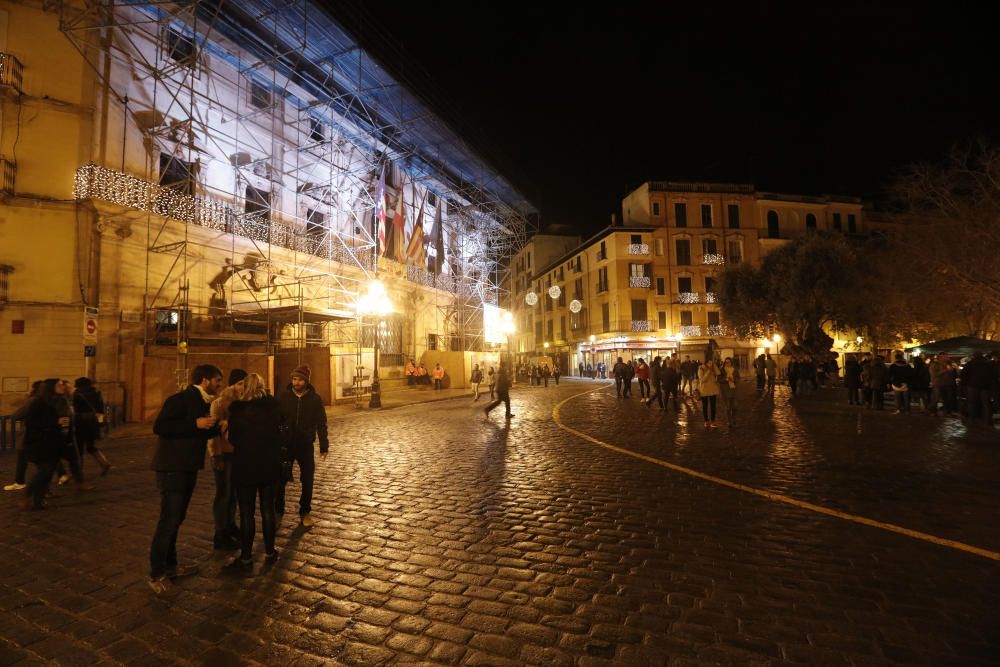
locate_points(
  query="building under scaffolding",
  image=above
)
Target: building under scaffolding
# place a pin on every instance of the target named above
(238, 157)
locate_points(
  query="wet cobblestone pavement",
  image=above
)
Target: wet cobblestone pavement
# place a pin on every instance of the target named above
(446, 539)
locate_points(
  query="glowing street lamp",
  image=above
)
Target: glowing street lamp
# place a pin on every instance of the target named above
(375, 303)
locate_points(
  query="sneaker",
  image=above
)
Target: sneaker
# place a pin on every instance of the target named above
(15, 487)
(161, 585)
(63, 479)
(307, 520)
(271, 557)
(178, 571)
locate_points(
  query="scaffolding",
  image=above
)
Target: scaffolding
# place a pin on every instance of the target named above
(265, 128)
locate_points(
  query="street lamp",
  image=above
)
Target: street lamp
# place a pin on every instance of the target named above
(375, 302)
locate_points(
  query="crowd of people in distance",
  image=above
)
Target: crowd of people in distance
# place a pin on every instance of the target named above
(538, 375)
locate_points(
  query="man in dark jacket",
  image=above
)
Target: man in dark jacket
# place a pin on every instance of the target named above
(184, 427)
(976, 383)
(304, 417)
(900, 378)
(503, 392)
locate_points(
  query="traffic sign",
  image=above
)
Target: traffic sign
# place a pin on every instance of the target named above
(90, 325)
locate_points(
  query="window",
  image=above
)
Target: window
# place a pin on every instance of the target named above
(639, 309)
(733, 213)
(810, 222)
(713, 318)
(529, 260)
(578, 288)
(683, 247)
(681, 215)
(538, 331)
(773, 230)
(735, 251)
(562, 327)
(180, 48)
(602, 280)
(603, 254)
(314, 223)
(432, 199)
(836, 222)
(317, 130)
(176, 174)
(852, 223)
(709, 247)
(684, 284)
(549, 330)
(260, 95)
(432, 342)
(638, 270)
(661, 286)
(661, 320)
(686, 318)
(257, 201)
(606, 316)
(635, 239)
(658, 246)
(710, 284)
(656, 208)
(562, 299)
(706, 215)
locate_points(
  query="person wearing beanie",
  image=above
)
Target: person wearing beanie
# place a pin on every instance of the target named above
(227, 534)
(305, 418)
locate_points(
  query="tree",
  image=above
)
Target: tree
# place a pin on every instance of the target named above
(806, 286)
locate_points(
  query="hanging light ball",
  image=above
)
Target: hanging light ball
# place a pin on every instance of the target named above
(554, 291)
(531, 298)
(575, 306)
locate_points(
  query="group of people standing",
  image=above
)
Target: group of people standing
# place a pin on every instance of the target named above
(62, 424)
(417, 375)
(256, 439)
(539, 374)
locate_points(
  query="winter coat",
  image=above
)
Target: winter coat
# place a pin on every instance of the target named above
(877, 375)
(305, 418)
(254, 431)
(44, 441)
(181, 446)
(976, 374)
(852, 374)
(20, 415)
(727, 383)
(708, 380)
(87, 404)
(476, 377)
(900, 375)
(220, 410)
(940, 374)
(669, 376)
(503, 381)
(921, 376)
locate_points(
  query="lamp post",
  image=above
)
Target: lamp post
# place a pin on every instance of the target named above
(375, 302)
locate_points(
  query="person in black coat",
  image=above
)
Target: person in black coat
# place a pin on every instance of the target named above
(920, 388)
(255, 433)
(43, 442)
(852, 379)
(900, 378)
(305, 418)
(184, 426)
(88, 408)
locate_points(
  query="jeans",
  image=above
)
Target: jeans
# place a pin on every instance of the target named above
(626, 387)
(852, 395)
(770, 384)
(175, 496)
(643, 388)
(760, 382)
(248, 528)
(306, 456)
(902, 400)
(942, 394)
(224, 503)
(618, 386)
(729, 405)
(437, 383)
(977, 403)
(502, 397)
(492, 390)
(475, 390)
(657, 394)
(708, 408)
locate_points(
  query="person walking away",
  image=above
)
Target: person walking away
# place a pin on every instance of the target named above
(183, 426)
(255, 434)
(900, 378)
(920, 389)
(656, 377)
(878, 375)
(88, 407)
(758, 368)
(491, 381)
(708, 387)
(70, 452)
(671, 381)
(792, 373)
(629, 375)
(618, 371)
(43, 442)
(227, 535)
(438, 376)
(556, 372)
(728, 378)
(687, 376)
(503, 392)
(304, 417)
(866, 379)
(852, 379)
(771, 372)
(474, 380)
(941, 383)
(546, 374)
(642, 373)
(21, 463)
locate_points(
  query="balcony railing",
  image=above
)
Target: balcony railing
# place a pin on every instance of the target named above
(11, 72)
(639, 281)
(643, 325)
(691, 330)
(713, 258)
(7, 173)
(718, 330)
(638, 249)
(710, 297)
(689, 297)
(5, 271)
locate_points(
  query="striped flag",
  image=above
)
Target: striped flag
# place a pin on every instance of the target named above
(395, 235)
(380, 212)
(438, 239)
(415, 249)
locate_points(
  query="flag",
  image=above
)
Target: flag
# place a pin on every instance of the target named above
(394, 241)
(415, 249)
(380, 212)
(438, 239)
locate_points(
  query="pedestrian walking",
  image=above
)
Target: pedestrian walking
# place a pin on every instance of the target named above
(642, 373)
(708, 388)
(771, 372)
(184, 426)
(728, 378)
(88, 409)
(491, 381)
(878, 375)
(254, 431)
(475, 379)
(852, 379)
(21, 461)
(68, 428)
(688, 369)
(556, 372)
(792, 373)
(546, 373)
(227, 534)
(920, 389)
(43, 442)
(758, 367)
(503, 392)
(670, 378)
(656, 378)
(304, 420)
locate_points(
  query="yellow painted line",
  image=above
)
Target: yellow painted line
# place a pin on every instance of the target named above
(776, 497)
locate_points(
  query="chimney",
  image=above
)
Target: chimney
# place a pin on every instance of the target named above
(614, 218)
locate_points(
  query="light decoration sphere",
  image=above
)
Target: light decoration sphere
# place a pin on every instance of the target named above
(531, 298)
(575, 306)
(554, 291)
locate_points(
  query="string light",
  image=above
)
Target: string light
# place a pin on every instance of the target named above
(713, 258)
(531, 298)
(554, 291)
(575, 306)
(688, 331)
(689, 297)
(639, 281)
(638, 249)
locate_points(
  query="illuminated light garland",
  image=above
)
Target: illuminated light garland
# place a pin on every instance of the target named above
(531, 298)
(713, 258)
(688, 331)
(638, 249)
(575, 306)
(642, 325)
(717, 330)
(554, 291)
(639, 281)
(689, 297)
(710, 297)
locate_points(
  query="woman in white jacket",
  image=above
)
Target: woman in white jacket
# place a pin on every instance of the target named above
(708, 387)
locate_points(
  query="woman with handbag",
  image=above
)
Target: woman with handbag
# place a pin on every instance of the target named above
(255, 433)
(708, 389)
(88, 406)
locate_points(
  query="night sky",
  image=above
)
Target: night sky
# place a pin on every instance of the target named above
(577, 108)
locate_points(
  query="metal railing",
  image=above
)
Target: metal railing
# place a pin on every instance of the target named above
(7, 173)
(639, 281)
(718, 330)
(713, 258)
(696, 297)
(692, 330)
(11, 72)
(5, 271)
(638, 249)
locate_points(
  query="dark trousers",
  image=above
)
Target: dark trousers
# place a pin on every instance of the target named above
(556, 378)
(793, 384)
(247, 496)
(175, 496)
(21, 466)
(671, 390)
(502, 397)
(306, 456)
(657, 394)
(643, 388)
(224, 503)
(760, 382)
(626, 387)
(852, 395)
(618, 385)
(770, 384)
(39, 484)
(437, 383)
(492, 390)
(708, 407)
(878, 398)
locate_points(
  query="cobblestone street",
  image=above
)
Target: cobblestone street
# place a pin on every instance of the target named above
(446, 539)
